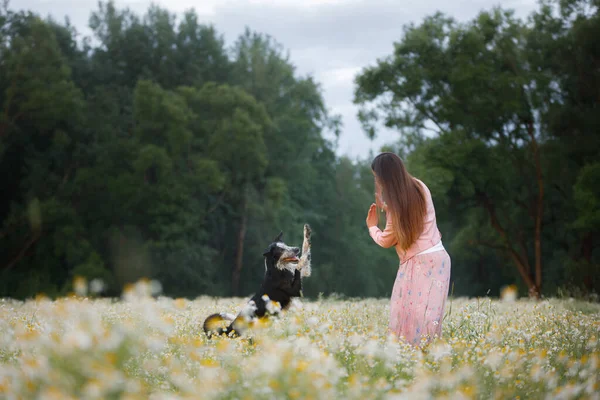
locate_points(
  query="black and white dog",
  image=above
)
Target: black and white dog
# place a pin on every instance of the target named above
(284, 270)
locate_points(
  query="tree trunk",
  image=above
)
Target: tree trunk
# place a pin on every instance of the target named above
(534, 290)
(239, 257)
(520, 260)
(23, 252)
(539, 209)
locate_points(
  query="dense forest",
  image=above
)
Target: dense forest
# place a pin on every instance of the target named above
(155, 150)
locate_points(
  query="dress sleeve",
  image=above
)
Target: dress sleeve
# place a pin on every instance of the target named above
(387, 238)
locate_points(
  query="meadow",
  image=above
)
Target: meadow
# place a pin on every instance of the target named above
(145, 346)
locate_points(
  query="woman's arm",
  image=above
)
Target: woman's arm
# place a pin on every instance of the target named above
(387, 238)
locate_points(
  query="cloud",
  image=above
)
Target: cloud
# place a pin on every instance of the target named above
(329, 39)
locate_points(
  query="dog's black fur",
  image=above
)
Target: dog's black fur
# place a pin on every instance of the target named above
(284, 270)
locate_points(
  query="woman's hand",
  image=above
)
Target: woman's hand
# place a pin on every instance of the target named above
(372, 218)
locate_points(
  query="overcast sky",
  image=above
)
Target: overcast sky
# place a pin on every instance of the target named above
(329, 39)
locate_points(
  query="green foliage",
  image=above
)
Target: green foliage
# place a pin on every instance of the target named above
(476, 105)
(159, 152)
(587, 197)
(142, 156)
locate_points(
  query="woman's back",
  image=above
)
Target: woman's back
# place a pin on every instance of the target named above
(429, 236)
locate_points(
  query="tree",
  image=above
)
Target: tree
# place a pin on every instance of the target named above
(41, 134)
(301, 161)
(473, 88)
(564, 47)
(233, 125)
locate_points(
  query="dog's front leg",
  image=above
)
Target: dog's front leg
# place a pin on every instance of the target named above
(304, 263)
(293, 287)
(296, 289)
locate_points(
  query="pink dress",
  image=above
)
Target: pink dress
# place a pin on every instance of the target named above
(421, 287)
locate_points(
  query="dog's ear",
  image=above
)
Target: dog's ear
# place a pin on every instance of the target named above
(268, 250)
(278, 238)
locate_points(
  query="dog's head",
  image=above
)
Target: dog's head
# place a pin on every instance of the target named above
(281, 256)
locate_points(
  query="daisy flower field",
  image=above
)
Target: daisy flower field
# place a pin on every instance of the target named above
(146, 346)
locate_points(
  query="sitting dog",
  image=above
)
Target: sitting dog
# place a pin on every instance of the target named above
(284, 270)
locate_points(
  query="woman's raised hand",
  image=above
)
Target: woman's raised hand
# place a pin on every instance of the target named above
(372, 218)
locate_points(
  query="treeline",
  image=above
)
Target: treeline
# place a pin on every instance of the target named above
(159, 152)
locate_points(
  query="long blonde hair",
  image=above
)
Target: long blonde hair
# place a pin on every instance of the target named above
(403, 196)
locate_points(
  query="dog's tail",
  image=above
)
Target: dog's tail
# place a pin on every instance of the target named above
(213, 325)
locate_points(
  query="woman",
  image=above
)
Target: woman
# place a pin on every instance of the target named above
(421, 286)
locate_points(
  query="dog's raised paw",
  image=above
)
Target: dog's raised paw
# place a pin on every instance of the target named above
(307, 231)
